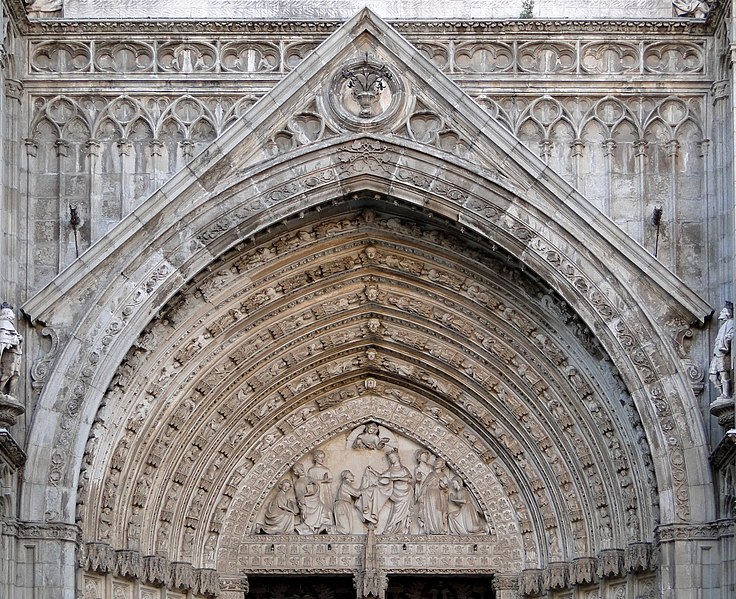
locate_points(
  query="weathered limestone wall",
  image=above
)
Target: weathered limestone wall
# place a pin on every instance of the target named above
(622, 116)
(327, 9)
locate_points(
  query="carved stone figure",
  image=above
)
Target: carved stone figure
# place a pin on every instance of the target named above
(696, 9)
(347, 493)
(310, 505)
(322, 475)
(422, 469)
(370, 438)
(434, 503)
(10, 351)
(720, 365)
(463, 517)
(400, 483)
(42, 8)
(280, 517)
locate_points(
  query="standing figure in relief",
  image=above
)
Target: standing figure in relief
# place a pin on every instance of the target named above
(720, 365)
(421, 471)
(399, 480)
(370, 438)
(347, 493)
(310, 505)
(463, 517)
(322, 475)
(280, 517)
(434, 500)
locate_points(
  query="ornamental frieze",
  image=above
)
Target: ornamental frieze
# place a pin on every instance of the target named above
(275, 57)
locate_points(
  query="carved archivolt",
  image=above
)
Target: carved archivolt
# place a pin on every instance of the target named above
(263, 381)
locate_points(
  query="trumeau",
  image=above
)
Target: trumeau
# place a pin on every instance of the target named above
(328, 9)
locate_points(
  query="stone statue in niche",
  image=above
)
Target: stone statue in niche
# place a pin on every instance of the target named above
(10, 351)
(720, 365)
(392, 498)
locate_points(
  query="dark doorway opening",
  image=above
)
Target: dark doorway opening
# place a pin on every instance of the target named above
(301, 587)
(440, 587)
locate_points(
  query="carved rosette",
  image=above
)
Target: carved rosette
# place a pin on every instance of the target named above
(364, 95)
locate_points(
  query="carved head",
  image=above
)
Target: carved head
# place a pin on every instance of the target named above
(393, 457)
(298, 470)
(347, 475)
(6, 312)
(285, 485)
(318, 456)
(727, 312)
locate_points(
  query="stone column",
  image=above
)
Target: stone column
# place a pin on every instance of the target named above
(12, 459)
(234, 588)
(46, 559)
(690, 560)
(506, 586)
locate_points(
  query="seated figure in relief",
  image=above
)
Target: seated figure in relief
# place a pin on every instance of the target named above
(370, 438)
(281, 513)
(464, 518)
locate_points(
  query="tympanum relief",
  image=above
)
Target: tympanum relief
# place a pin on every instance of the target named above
(371, 479)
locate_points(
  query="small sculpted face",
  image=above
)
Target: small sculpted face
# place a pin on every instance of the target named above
(285, 485)
(724, 315)
(298, 470)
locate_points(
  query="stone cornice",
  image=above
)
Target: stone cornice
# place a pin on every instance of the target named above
(470, 28)
(44, 531)
(690, 532)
